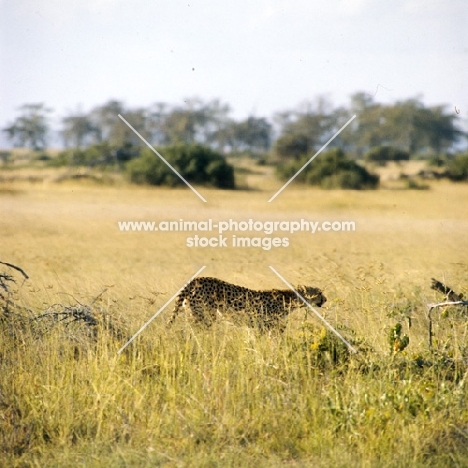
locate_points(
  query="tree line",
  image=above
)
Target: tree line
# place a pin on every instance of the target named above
(407, 126)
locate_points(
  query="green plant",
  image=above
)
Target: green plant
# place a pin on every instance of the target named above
(196, 163)
(319, 348)
(396, 340)
(437, 161)
(382, 154)
(457, 169)
(5, 157)
(331, 170)
(413, 184)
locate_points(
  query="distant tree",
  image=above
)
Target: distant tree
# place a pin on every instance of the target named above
(402, 125)
(406, 125)
(155, 116)
(31, 128)
(252, 134)
(217, 120)
(78, 131)
(440, 128)
(306, 128)
(339, 117)
(366, 131)
(182, 125)
(105, 119)
(109, 128)
(123, 135)
(415, 128)
(195, 122)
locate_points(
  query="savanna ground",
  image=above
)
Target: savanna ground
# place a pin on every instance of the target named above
(229, 396)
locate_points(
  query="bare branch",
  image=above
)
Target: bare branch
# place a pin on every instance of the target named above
(10, 265)
(441, 304)
(444, 289)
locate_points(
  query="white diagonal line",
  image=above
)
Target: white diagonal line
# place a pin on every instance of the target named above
(163, 160)
(312, 158)
(159, 311)
(314, 311)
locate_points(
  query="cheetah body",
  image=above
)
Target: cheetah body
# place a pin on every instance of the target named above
(207, 298)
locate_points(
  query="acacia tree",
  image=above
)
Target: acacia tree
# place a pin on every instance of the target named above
(110, 129)
(440, 128)
(305, 128)
(78, 131)
(105, 119)
(366, 131)
(194, 122)
(407, 125)
(31, 128)
(252, 134)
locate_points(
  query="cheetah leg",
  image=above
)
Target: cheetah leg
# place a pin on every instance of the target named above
(201, 315)
(175, 312)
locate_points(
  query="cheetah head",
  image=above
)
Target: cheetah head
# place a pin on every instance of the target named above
(312, 295)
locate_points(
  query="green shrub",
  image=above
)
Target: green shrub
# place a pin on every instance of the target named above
(91, 156)
(320, 348)
(196, 163)
(6, 156)
(437, 161)
(413, 184)
(457, 169)
(62, 159)
(42, 157)
(101, 154)
(292, 146)
(383, 154)
(330, 170)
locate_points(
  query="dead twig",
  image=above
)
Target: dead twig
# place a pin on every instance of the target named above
(69, 314)
(447, 290)
(87, 314)
(454, 299)
(6, 280)
(10, 265)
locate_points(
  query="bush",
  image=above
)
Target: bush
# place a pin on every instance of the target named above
(457, 169)
(331, 170)
(6, 156)
(102, 154)
(62, 159)
(42, 157)
(383, 154)
(437, 161)
(413, 184)
(292, 146)
(196, 163)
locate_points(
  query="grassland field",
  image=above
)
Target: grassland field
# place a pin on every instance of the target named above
(228, 395)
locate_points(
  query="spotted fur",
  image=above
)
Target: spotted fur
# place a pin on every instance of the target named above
(206, 298)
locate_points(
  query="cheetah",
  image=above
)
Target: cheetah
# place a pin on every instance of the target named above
(208, 297)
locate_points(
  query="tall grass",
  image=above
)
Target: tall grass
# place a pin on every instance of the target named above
(228, 395)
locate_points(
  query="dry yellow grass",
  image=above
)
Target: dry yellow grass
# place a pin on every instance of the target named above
(69, 235)
(228, 397)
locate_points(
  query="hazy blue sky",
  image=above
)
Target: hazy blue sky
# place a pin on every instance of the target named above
(259, 56)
